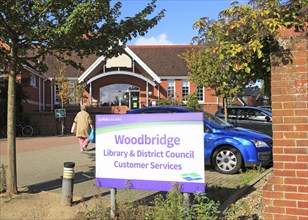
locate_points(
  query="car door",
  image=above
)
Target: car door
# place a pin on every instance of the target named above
(242, 118)
(255, 120)
(232, 116)
(208, 143)
(261, 122)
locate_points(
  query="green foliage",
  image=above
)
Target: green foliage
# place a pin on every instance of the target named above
(30, 30)
(192, 101)
(78, 91)
(168, 102)
(204, 208)
(235, 49)
(66, 27)
(171, 206)
(64, 89)
(251, 174)
(99, 211)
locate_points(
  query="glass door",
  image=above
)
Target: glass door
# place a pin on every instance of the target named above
(134, 99)
(120, 95)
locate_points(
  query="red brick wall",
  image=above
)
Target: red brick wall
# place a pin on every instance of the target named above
(47, 124)
(286, 194)
(33, 94)
(178, 90)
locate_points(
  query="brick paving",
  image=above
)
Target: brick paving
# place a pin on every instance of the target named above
(40, 167)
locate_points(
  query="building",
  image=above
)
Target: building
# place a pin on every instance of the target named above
(250, 96)
(138, 77)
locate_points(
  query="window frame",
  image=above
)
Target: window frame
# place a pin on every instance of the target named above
(198, 93)
(171, 88)
(185, 85)
(33, 81)
(56, 89)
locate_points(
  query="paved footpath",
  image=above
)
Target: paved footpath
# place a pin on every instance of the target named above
(40, 167)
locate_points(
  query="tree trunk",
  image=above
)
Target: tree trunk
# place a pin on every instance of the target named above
(11, 177)
(62, 127)
(62, 122)
(225, 109)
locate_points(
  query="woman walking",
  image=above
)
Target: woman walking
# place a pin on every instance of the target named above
(83, 127)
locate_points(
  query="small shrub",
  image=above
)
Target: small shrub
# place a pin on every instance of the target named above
(192, 102)
(171, 206)
(100, 211)
(204, 208)
(168, 102)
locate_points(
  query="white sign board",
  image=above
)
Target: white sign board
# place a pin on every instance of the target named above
(150, 151)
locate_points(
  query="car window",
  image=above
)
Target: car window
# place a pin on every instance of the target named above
(244, 113)
(232, 113)
(260, 116)
(215, 121)
(252, 114)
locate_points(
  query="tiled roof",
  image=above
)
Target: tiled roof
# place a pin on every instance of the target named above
(164, 60)
(250, 91)
(54, 66)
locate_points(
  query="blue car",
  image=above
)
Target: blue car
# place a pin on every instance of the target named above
(226, 147)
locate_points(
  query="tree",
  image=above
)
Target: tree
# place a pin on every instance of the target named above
(32, 29)
(64, 95)
(170, 101)
(235, 49)
(78, 92)
(192, 102)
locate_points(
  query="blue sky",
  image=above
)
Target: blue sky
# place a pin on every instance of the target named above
(176, 27)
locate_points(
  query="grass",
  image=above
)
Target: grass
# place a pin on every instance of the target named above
(251, 174)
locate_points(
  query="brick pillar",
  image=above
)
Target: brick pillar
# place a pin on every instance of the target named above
(286, 194)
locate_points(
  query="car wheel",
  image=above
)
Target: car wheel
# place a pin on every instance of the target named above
(27, 131)
(227, 160)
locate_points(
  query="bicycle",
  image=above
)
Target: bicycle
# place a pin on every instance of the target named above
(22, 129)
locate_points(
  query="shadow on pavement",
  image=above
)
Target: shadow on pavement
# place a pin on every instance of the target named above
(86, 198)
(57, 183)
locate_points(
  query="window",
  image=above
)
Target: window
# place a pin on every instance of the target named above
(185, 90)
(200, 93)
(33, 80)
(232, 113)
(72, 88)
(57, 89)
(171, 89)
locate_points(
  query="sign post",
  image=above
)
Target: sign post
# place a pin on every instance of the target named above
(150, 152)
(60, 113)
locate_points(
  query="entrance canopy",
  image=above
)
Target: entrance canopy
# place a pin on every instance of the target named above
(100, 66)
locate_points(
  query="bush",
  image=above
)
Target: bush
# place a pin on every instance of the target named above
(168, 102)
(170, 206)
(192, 102)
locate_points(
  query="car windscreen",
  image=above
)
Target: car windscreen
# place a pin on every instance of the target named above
(216, 122)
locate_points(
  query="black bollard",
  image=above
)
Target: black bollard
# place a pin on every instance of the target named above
(68, 183)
